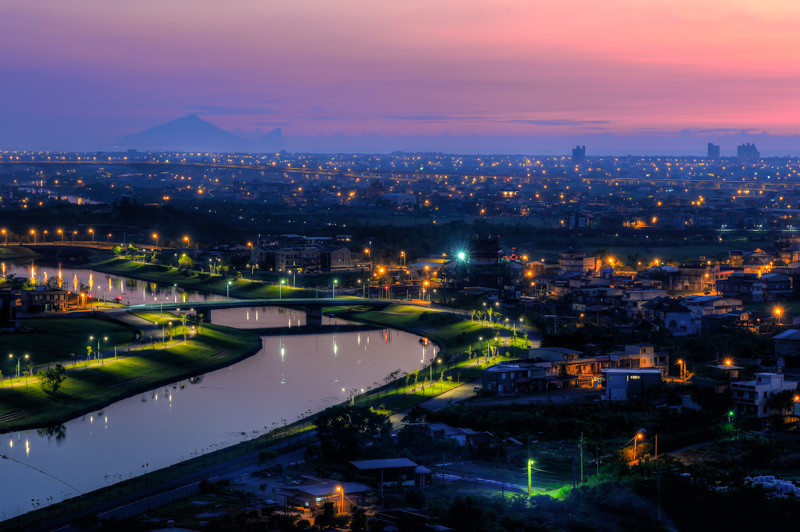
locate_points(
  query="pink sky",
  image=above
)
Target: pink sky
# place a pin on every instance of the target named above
(105, 68)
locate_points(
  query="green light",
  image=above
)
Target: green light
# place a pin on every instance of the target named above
(462, 255)
(730, 413)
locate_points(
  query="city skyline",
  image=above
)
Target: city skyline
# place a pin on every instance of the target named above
(616, 77)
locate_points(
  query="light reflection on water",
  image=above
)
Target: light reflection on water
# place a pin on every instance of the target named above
(290, 376)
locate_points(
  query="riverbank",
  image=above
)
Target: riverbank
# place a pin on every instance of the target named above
(16, 253)
(202, 282)
(93, 386)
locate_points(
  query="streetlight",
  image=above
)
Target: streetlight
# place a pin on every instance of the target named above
(228, 291)
(92, 233)
(403, 255)
(186, 239)
(11, 355)
(60, 232)
(683, 366)
(340, 488)
(530, 464)
(636, 438)
(280, 289)
(33, 232)
(155, 237)
(108, 237)
(5, 235)
(334, 288)
(105, 338)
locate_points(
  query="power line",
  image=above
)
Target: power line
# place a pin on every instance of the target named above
(42, 472)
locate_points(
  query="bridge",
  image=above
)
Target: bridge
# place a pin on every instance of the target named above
(312, 306)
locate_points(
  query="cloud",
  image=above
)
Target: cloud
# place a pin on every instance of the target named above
(560, 122)
(317, 109)
(221, 110)
(270, 124)
(437, 118)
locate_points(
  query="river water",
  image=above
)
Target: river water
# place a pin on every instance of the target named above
(290, 377)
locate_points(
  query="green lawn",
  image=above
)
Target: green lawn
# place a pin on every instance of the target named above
(92, 387)
(200, 282)
(9, 253)
(53, 340)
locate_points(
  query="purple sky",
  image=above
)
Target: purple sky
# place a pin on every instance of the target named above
(84, 73)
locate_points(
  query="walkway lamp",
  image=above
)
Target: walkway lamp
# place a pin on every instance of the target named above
(334, 288)
(105, 338)
(280, 289)
(228, 291)
(11, 355)
(530, 464)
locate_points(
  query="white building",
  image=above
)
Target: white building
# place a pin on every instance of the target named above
(623, 384)
(750, 397)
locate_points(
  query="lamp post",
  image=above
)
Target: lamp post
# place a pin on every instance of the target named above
(186, 239)
(636, 438)
(530, 464)
(5, 236)
(33, 232)
(228, 291)
(334, 288)
(155, 237)
(682, 366)
(60, 232)
(341, 509)
(91, 231)
(280, 289)
(403, 255)
(25, 356)
(105, 338)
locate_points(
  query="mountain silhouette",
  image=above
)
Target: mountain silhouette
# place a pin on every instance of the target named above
(192, 133)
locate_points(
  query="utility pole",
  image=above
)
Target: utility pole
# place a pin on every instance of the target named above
(582, 446)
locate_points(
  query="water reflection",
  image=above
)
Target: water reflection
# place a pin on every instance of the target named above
(290, 376)
(59, 432)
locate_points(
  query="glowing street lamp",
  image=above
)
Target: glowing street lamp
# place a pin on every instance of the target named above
(155, 237)
(105, 338)
(91, 231)
(530, 464)
(340, 488)
(11, 355)
(334, 288)
(280, 289)
(228, 291)
(186, 239)
(636, 438)
(5, 235)
(60, 232)
(33, 232)
(403, 255)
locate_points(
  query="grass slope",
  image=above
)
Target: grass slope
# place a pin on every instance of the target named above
(200, 282)
(96, 385)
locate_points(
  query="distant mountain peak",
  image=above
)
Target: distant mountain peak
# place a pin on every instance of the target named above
(192, 133)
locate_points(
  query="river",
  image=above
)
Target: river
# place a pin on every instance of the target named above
(290, 377)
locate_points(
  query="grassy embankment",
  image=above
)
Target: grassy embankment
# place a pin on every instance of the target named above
(16, 253)
(95, 384)
(198, 281)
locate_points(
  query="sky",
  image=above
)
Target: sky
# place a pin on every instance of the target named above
(85, 73)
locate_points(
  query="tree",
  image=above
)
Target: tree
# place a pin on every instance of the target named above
(328, 517)
(344, 430)
(53, 377)
(185, 261)
(116, 250)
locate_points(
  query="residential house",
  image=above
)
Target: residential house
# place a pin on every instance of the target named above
(393, 471)
(626, 384)
(787, 343)
(510, 378)
(776, 286)
(751, 397)
(745, 286)
(672, 315)
(312, 497)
